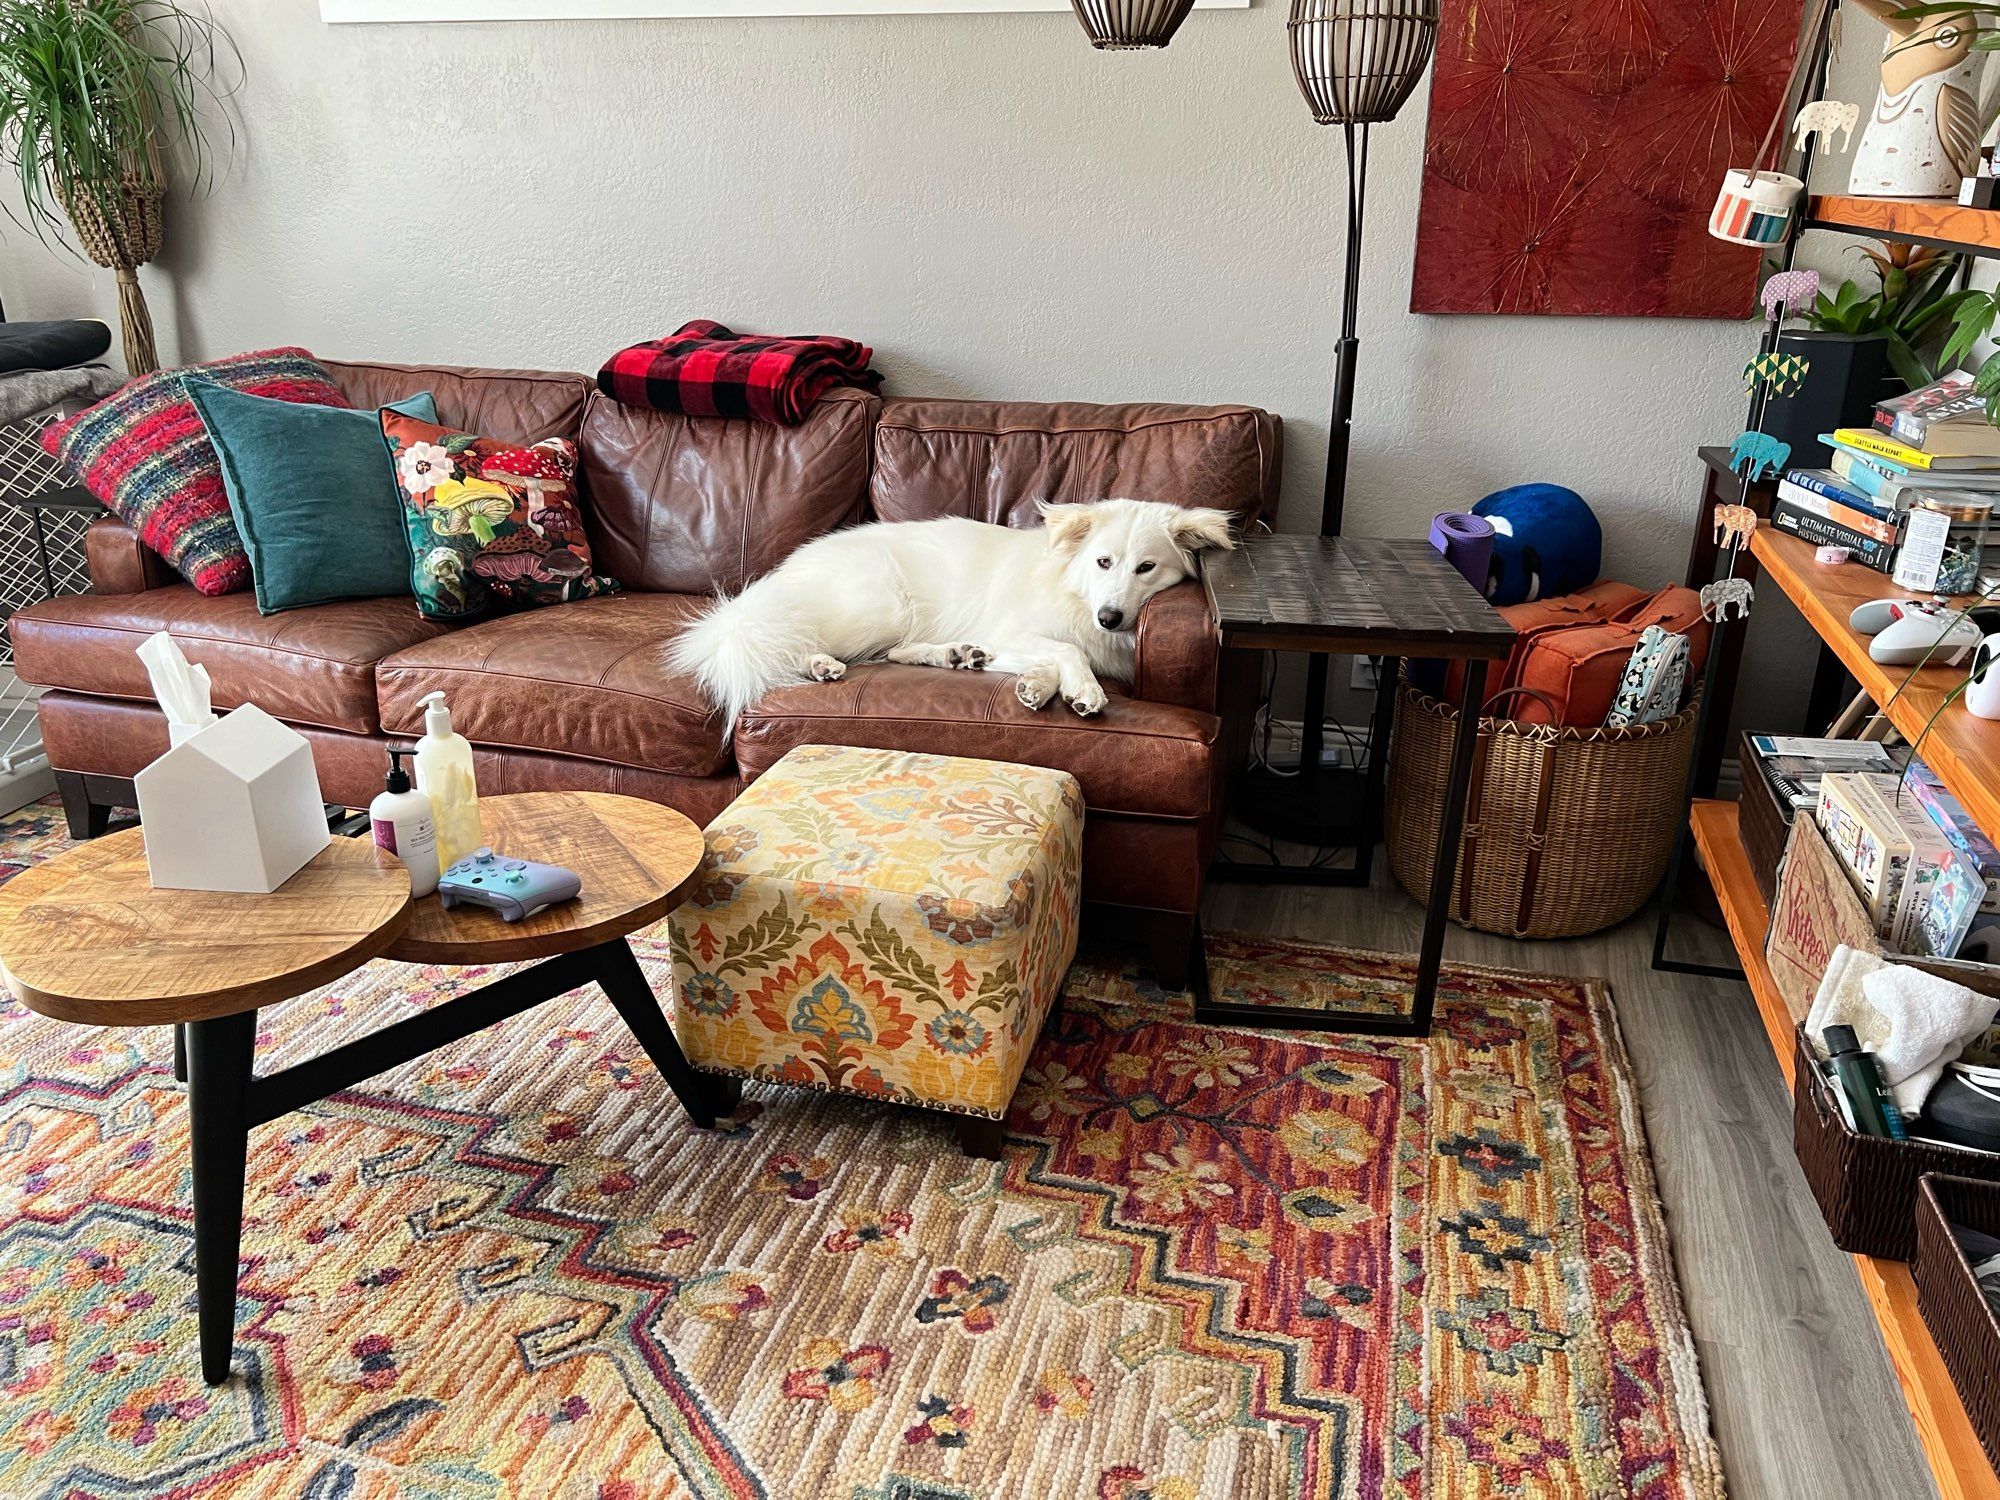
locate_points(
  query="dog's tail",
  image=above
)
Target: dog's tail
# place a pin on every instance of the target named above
(737, 653)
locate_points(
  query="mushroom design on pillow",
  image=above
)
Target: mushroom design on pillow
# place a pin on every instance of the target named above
(471, 506)
(541, 475)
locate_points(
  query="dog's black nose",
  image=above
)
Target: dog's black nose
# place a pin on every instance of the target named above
(1111, 619)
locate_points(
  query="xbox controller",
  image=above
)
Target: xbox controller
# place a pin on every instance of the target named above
(1930, 633)
(515, 888)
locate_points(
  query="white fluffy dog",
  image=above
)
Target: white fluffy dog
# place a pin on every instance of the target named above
(1055, 606)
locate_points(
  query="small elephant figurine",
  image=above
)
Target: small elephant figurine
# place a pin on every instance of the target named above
(1823, 117)
(1766, 455)
(1734, 525)
(1720, 597)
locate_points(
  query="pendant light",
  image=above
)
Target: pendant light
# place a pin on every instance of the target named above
(1127, 25)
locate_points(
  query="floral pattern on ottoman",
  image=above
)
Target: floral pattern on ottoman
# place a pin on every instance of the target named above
(882, 923)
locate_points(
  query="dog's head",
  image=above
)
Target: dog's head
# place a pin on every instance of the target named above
(1117, 554)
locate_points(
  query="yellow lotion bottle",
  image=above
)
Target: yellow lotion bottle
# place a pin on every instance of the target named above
(444, 774)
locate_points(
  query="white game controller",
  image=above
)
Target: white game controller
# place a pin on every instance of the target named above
(1877, 615)
(1931, 633)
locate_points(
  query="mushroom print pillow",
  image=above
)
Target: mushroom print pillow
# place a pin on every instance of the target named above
(492, 525)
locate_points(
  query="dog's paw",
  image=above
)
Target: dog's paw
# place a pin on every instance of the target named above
(826, 668)
(965, 657)
(1088, 703)
(1035, 689)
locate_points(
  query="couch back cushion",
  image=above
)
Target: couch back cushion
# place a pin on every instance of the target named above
(516, 406)
(686, 505)
(992, 460)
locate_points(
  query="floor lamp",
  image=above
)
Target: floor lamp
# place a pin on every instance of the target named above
(1356, 62)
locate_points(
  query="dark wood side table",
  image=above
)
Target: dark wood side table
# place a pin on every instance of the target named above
(1388, 596)
(85, 937)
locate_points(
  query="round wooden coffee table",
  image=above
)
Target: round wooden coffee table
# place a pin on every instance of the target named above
(85, 937)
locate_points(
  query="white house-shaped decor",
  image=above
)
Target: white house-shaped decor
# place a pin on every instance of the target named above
(233, 808)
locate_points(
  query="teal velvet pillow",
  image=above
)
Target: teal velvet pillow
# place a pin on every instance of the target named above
(312, 493)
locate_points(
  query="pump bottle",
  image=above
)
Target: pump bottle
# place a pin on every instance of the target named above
(401, 821)
(444, 774)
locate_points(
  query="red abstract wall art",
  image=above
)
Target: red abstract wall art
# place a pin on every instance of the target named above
(1576, 147)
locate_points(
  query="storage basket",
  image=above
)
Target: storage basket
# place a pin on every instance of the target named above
(1865, 1185)
(1948, 1298)
(1567, 830)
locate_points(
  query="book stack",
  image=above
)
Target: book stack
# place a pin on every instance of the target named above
(1936, 439)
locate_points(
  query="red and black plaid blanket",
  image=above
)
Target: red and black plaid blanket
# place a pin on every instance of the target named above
(704, 370)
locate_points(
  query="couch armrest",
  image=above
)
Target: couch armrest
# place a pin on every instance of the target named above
(119, 562)
(1178, 649)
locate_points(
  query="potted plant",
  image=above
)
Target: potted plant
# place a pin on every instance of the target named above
(1862, 346)
(98, 99)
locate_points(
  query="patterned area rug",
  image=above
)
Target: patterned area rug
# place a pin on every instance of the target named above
(1213, 1264)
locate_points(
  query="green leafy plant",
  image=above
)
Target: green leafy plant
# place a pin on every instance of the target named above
(1912, 303)
(98, 96)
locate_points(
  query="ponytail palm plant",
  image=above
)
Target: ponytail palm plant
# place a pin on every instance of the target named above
(99, 100)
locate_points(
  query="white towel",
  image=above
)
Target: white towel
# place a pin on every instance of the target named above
(1914, 1022)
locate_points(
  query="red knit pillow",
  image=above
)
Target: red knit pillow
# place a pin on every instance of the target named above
(144, 452)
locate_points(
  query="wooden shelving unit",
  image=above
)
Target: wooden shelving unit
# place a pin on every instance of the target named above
(1925, 221)
(1958, 1463)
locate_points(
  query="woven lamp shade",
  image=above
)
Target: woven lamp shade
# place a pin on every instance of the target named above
(1124, 25)
(1356, 61)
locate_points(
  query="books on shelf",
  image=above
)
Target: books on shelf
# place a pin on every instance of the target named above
(1881, 445)
(1945, 419)
(1840, 503)
(1794, 764)
(1806, 516)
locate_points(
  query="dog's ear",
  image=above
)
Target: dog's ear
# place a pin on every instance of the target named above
(1067, 525)
(1202, 528)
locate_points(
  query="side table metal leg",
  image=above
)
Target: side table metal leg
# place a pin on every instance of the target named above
(180, 1052)
(1451, 823)
(625, 984)
(219, 1054)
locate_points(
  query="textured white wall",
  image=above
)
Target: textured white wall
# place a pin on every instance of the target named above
(1000, 210)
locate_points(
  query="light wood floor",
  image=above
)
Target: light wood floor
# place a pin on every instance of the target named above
(1802, 1398)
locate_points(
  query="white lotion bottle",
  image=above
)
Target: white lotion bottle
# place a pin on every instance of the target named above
(400, 819)
(444, 774)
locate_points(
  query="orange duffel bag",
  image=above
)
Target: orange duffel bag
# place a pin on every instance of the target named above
(1574, 670)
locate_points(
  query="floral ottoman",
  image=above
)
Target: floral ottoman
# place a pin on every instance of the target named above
(880, 923)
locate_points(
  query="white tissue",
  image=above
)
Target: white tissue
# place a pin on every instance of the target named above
(181, 687)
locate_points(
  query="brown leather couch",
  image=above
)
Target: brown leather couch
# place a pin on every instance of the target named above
(579, 696)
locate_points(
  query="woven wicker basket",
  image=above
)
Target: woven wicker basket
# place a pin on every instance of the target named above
(1866, 1186)
(1949, 1299)
(1566, 830)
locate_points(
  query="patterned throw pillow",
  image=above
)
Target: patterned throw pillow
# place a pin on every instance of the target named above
(144, 453)
(492, 525)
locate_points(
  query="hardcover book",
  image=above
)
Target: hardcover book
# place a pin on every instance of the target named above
(1809, 525)
(1946, 418)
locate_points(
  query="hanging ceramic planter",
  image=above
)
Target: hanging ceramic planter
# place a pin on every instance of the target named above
(1755, 208)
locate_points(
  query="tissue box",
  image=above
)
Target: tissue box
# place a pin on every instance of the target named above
(234, 808)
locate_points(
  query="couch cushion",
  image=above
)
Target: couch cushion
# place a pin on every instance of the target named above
(687, 505)
(992, 460)
(1153, 759)
(588, 679)
(521, 406)
(312, 666)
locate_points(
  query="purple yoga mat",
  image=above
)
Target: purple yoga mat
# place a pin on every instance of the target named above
(1466, 542)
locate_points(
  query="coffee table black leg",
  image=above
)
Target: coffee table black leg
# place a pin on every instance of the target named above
(219, 1056)
(626, 986)
(1451, 824)
(180, 1052)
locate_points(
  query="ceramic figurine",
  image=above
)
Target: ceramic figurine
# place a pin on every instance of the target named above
(1924, 134)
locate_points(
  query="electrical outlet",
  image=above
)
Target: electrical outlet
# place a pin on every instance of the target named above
(1366, 674)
